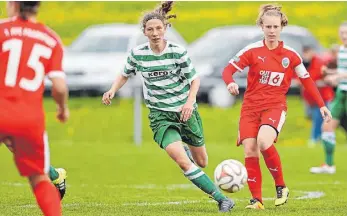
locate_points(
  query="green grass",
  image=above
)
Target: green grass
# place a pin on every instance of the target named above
(109, 175)
(193, 18)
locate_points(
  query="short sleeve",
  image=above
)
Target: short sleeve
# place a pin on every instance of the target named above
(55, 64)
(130, 66)
(242, 59)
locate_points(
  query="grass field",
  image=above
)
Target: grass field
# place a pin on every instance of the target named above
(109, 175)
(193, 18)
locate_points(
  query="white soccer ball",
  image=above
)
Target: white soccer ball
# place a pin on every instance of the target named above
(230, 176)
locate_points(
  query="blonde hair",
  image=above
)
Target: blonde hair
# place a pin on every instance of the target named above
(271, 10)
(159, 13)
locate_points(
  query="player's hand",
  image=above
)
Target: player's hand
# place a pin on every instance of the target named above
(325, 112)
(187, 111)
(63, 114)
(233, 88)
(107, 97)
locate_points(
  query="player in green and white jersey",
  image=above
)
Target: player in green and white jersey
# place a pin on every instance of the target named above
(170, 85)
(338, 106)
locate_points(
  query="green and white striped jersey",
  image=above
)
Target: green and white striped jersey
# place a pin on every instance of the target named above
(342, 66)
(166, 76)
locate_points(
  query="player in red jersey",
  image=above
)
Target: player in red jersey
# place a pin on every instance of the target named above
(271, 66)
(29, 52)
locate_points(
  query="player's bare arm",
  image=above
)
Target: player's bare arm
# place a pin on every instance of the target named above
(117, 84)
(60, 93)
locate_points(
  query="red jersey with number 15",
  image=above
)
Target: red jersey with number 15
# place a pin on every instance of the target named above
(270, 74)
(29, 52)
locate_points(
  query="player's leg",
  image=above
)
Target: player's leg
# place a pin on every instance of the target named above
(31, 155)
(329, 137)
(199, 155)
(248, 129)
(271, 124)
(167, 133)
(193, 135)
(46, 195)
(254, 180)
(176, 151)
(317, 122)
(57, 176)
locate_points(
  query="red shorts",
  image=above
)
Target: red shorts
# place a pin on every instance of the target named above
(28, 139)
(250, 122)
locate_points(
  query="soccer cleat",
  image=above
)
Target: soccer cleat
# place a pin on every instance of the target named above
(226, 205)
(60, 182)
(324, 169)
(282, 195)
(255, 204)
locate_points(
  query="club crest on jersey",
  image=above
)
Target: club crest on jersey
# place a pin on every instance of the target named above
(285, 62)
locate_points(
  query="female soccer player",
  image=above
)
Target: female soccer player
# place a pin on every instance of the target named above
(338, 106)
(271, 65)
(170, 88)
(29, 51)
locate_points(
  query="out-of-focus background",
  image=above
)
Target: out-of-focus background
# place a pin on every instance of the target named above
(110, 175)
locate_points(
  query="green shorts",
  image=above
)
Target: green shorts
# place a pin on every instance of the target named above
(191, 131)
(339, 104)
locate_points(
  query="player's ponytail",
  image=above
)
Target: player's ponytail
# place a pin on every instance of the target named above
(161, 13)
(28, 8)
(271, 10)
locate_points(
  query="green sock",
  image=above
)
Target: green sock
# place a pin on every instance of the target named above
(329, 143)
(53, 174)
(202, 181)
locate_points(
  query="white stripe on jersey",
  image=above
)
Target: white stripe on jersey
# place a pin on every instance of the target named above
(251, 46)
(293, 50)
(301, 71)
(168, 100)
(56, 74)
(156, 63)
(172, 90)
(142, 52)
(46, 154)
(342, 55)
(237, 67)
(241, 52)
(281, 121)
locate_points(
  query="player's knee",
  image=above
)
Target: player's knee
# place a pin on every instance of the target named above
(251, 151)
(263, 143)
(202, 162)
(35, 179)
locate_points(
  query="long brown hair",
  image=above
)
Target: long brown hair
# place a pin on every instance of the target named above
(161, 13)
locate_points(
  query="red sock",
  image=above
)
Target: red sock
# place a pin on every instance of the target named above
(273, 163)
(48, 198)
(254, 177)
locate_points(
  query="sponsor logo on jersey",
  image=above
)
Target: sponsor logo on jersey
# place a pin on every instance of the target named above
(158, 73)
(262, 58)
(285, 62)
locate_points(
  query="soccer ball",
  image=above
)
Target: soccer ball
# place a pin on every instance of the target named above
(230, 176)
